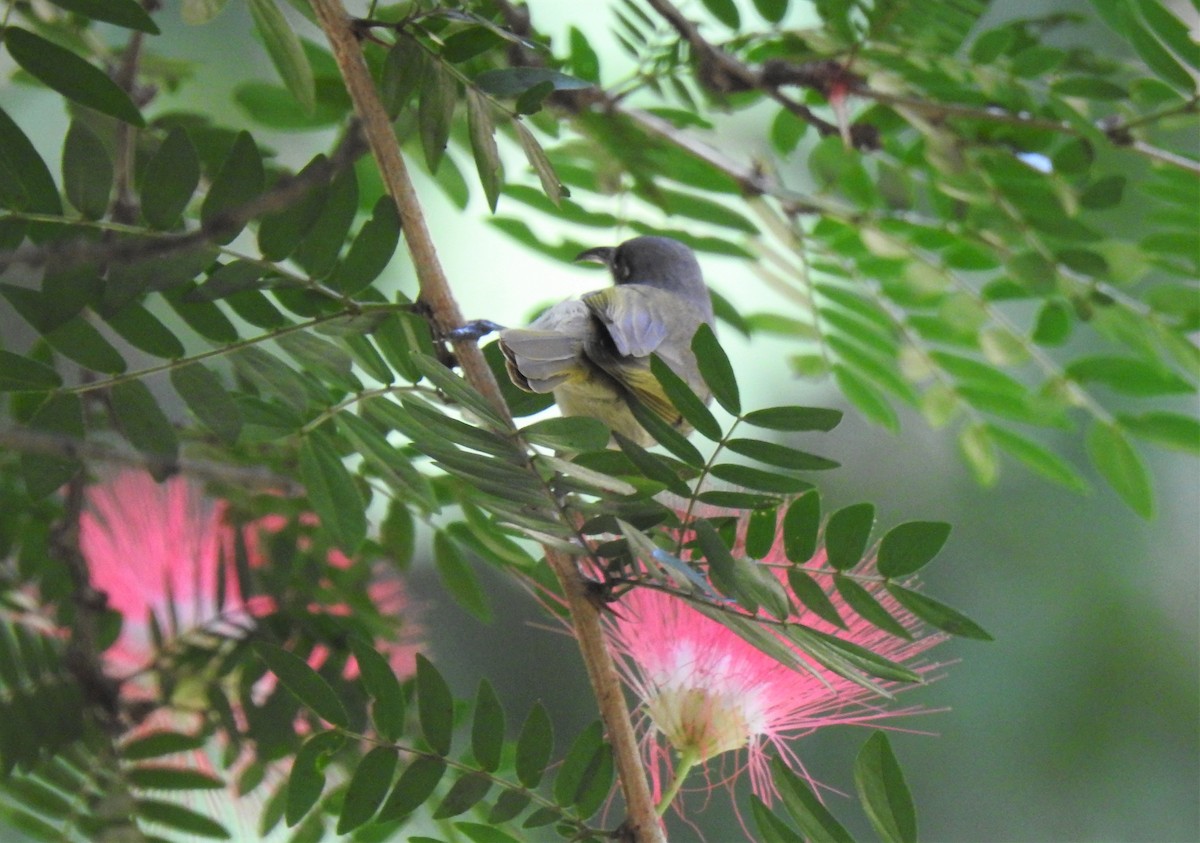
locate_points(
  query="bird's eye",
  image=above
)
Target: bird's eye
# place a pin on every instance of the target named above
(622, 269)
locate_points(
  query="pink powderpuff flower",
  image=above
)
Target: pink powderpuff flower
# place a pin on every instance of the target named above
(157, 549)
(705, 691)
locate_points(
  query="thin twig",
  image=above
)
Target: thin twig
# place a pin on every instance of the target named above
(643, 823)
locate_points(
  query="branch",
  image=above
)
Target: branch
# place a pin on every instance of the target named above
(285, 192)
(90, 450)
(83, 649)
(720, 72)
(643, 823)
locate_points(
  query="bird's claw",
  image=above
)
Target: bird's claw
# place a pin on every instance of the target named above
(473, 330)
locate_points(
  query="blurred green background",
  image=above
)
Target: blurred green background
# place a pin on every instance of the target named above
(1081, 721)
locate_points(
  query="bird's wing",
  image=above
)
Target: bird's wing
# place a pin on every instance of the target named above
(633, 317)
(634, 321)
(546, 355)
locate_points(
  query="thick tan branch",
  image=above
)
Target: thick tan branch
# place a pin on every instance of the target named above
(643, 822)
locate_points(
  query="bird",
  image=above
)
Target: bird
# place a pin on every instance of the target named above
(593, 353)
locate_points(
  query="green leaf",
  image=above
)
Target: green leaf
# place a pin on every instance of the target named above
(459, 391)
(321, 358)
(208, 400)
(61, 414)
(487, 728)
(782, 456)
(847, 534)
(468, 43)
(25, 181)
(333, 493)
(665, 435)
(760, 531)
(652, 466)
(910, 546)
(435, 706)
(459, 579)
(305, 683)
(414, 786)
(581, 765)
(1169, 27)
(771, 828)
(866, 397)
(756, 478)
(169, 180)
(241, 178)
(87, 171)
(319, 249)
(307, 777)
(992, 44)
(536, 156)
(168, 777)
(385, 459)
(534, 746)
(435, 112)
(514, 81)
(403, 70)
(19, 373)
(883, 792)
(126, 13)
(464, 794)
(1121, 466)
(159, 743)
(794, 418)
(937, 614)
(1053, 325)
(813, 597)
(281, 233)
(725, 11)
(773, 11)
(145, 425)
(508, 805)
(685, 400)
(1104, 192)
(1128, 375)
(1041, 460)
(367, 789)
(180, 818)
(815, 821)
(866, 606)
(482, 130)
(1090, 87)
(716, 369)
(801, 526)
(68, 74)
(285, 50)
(387, 709)
(371, 250)
(1151, 50)
(143, 330)
(979, 450)
(1170, 430)
(571, 434)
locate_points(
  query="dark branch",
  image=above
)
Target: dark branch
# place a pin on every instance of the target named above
(284, 193)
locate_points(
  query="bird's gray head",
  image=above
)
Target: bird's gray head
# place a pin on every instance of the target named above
(657, 261)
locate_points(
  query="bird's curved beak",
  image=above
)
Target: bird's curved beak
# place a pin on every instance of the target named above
(600, 254)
